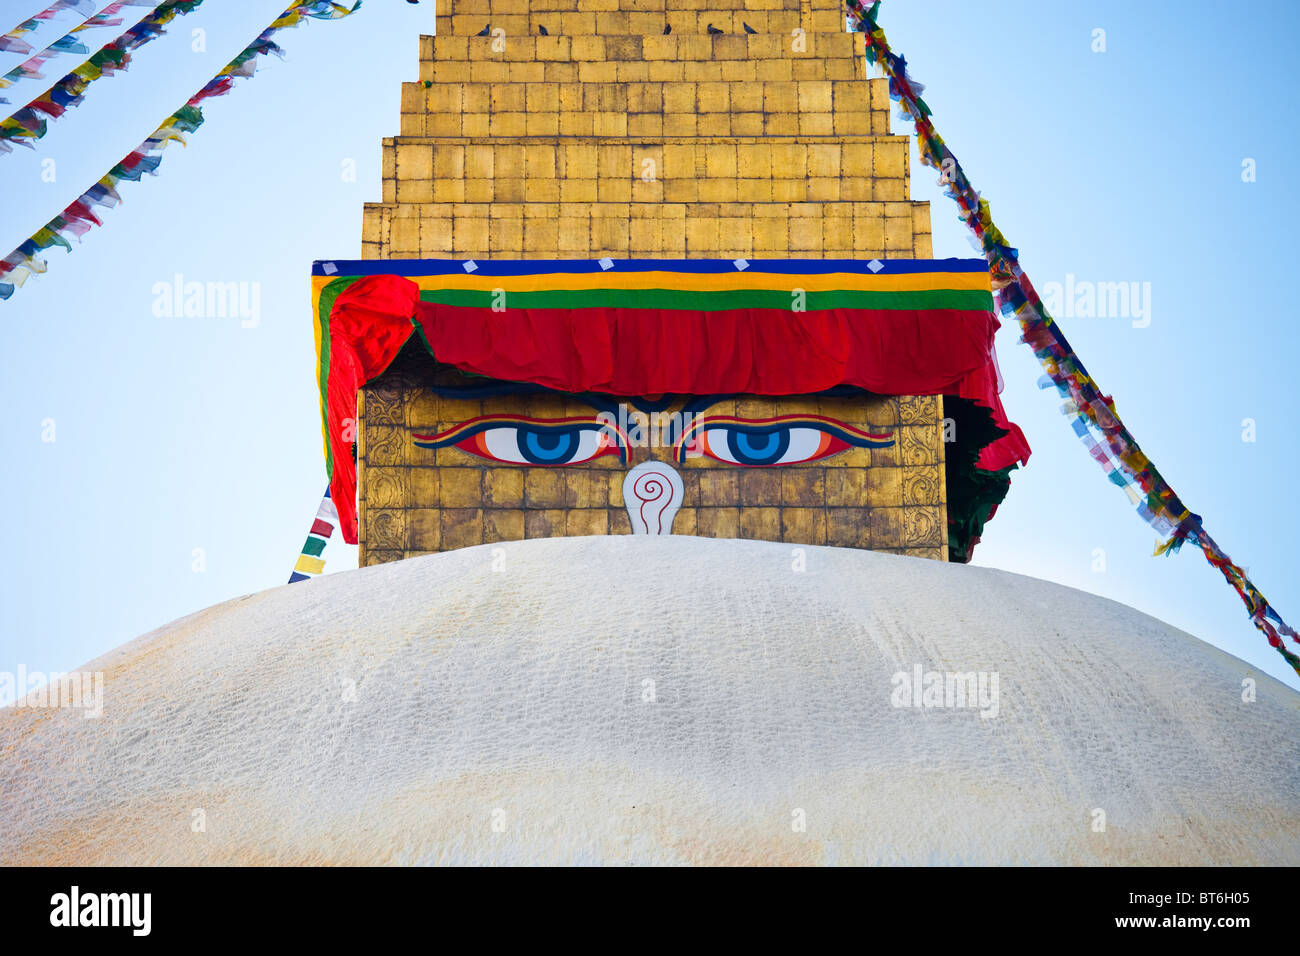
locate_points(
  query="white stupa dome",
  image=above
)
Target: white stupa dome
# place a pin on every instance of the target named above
(660, 700)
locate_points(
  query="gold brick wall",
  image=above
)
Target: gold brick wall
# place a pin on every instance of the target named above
(608, 138)
(416, 500)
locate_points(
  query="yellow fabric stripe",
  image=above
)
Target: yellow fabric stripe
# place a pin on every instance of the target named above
(830, 281)
(309, 565)
(698, 282)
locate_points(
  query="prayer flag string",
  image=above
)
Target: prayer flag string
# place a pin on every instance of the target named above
(12, 41)
(29, 124)
(309, 561)
(69, 43)
(77, 218)
(1090, 410)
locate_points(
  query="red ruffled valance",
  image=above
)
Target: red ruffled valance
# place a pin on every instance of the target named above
(622, 351)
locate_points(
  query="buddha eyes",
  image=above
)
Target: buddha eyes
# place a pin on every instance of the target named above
(542, 446)
(790, 440)
(778, 446)
(530, 441)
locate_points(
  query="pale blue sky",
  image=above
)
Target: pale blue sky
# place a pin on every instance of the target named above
(181, 434)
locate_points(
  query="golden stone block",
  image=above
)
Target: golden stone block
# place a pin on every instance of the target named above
(898, 235)
(448, 190)
(548, 523)
(702, 235)
(586, 489)
(424, 529)
(762, 524)
(541, 238)
(616, 491)
(716, 190)
(503, 488)
(461, 488)
(803, 487)
(717, 522)
(713, 124)
(542, 124)
(415, 191)
(760, 487)
(544, 487)
(803, 525)
(885, 486)
(586, 521)
(404, 235)
(721, 489)
(868, 235)
(685, 522)
(503, 526)
(645, 124)
(774, 71)
(470, 233)
(890, 158)
(461, 528)
(771, 235)
(846, 487)
(424, 485)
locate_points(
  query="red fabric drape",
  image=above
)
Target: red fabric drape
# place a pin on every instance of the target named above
(368, 325)
(652, 352)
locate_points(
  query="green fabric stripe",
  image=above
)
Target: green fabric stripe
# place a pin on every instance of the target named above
(974, 300)
(314, 546)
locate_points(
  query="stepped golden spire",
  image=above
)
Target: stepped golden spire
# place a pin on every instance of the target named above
(608, 137)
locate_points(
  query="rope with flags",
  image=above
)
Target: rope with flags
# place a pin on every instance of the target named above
(28, 123)
(105, 17)
(77, 218)
(12, 41)
(31, 69)
(310, 561)
(68, 43)
(1091, 412)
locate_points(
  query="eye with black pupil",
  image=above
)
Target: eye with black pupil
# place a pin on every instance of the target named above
(758, 448)
(547, 446)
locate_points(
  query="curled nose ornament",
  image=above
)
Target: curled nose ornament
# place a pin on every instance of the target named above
(652, 493)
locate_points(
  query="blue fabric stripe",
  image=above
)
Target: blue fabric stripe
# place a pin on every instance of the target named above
(523, 267)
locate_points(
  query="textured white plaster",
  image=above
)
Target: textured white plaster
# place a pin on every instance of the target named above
(521, 691)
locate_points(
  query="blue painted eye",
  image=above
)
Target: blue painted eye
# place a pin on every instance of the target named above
(752, 448)
(764, 442)
(543, 446)
(550, 447)
(530, 441)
